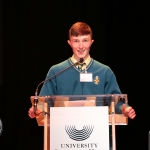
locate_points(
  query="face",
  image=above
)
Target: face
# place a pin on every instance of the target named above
(80, 46)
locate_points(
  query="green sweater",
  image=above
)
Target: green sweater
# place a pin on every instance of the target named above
(68, 82)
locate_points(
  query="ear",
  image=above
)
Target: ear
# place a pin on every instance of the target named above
(68, 41)
(92, 41)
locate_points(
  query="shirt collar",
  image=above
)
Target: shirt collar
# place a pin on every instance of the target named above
(87, 61)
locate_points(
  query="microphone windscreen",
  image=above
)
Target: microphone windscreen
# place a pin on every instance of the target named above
(81, 60)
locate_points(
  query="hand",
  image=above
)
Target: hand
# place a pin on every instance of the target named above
(31, 112)
(128, 111)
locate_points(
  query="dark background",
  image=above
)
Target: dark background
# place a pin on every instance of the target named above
(33, 37)
(1, 41)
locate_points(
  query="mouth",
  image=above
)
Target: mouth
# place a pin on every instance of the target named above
(80, 51)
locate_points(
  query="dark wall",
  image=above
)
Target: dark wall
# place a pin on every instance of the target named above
(127, 45)
(34, 39)
(1, 41)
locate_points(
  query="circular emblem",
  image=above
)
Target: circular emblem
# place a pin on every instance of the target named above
(79, 135)
(1, 127)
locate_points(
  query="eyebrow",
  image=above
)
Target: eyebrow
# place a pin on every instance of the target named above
(81, 39)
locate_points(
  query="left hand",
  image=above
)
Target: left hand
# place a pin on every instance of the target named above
(128, 111)
(31, 112)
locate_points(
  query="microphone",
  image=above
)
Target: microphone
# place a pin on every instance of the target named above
(36, 92)
(81, 61)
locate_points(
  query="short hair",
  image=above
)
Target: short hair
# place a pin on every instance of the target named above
(80, 28)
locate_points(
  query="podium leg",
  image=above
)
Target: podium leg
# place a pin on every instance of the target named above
(113, 126)
(46, 129)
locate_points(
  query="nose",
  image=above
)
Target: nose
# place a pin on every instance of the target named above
(80, 45)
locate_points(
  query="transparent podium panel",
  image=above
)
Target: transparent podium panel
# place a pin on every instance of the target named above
(112, 102)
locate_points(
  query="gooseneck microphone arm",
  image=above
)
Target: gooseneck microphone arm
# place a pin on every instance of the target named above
(81, 61)
(36, 92)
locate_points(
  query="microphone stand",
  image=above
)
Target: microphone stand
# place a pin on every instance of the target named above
(36, 92)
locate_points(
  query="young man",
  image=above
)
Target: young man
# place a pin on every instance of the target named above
(104, 82)
(68, 83)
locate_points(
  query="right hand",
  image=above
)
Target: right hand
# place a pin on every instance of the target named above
(128, 111)
(31, 112)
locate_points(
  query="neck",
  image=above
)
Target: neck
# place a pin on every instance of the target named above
(78, 59)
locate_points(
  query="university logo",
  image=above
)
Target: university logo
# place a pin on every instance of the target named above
(79, 135)
(1, 127)
(96, 80)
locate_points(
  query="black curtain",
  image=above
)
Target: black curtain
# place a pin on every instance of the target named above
(1, 42)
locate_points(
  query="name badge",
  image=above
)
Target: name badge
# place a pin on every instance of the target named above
(86, 77)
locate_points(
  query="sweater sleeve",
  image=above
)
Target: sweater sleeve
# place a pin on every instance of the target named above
(112, 87)
(50, 86)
